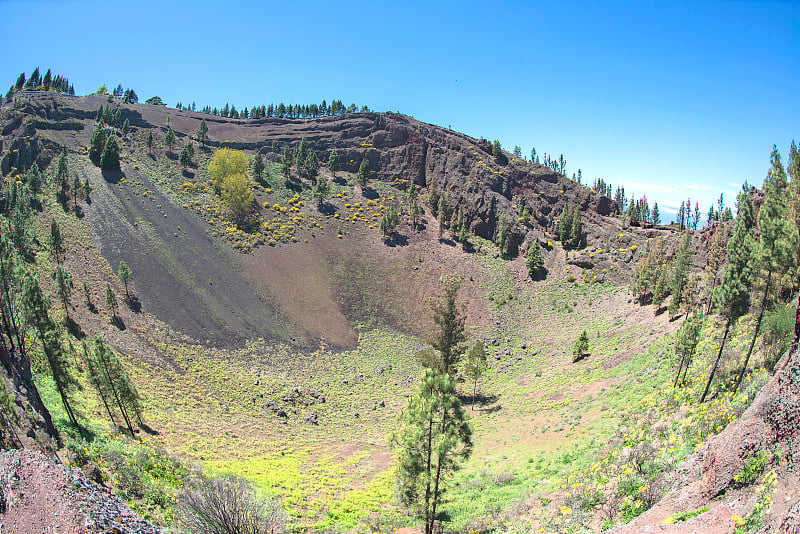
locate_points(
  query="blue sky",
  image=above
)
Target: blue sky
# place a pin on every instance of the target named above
(670, 99)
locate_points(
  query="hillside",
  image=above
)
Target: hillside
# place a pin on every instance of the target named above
(281, 346)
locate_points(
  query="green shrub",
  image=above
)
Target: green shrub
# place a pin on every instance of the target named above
(580, 347)
(685, 516)
(752, 469)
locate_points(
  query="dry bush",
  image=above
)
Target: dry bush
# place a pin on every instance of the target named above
(229, 506)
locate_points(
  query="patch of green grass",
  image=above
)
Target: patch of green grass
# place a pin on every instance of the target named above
(679, 517)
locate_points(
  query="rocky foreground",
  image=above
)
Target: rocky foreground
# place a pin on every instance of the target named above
(39, 496)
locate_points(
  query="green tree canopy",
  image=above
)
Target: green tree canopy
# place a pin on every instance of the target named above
(433, 440)
(333, 162)
(449, 337)
(475, 365)
(109, 160)
(258, 166)
(169, 139)
(390, 221)
(362, 177)
(534, 260)
(237, 195)
(202, 132)
(125, 275)
(321, 191)
(581, 346)
(97, 142)
(732, 297)
(226, 162)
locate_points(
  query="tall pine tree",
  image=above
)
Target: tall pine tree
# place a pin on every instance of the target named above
(777, 240)
(733, 296)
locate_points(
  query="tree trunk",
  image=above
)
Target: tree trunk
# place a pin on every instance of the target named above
(116, 397)
(716, 362)
(755, 333)
(438, 477)
(57, 378)
(711, 294)
(429, 453)
(680, 368)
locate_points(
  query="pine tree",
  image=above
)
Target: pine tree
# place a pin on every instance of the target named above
(63, 288)
(115, 383)
(564, 227)
(733, 296)
(130, 96)
(202, 132)
(656, 214)
(50, 337)
(62, 169)
(534, 261)
(301, 154)
(96, 379)
(503, 232)
(576, 229)
(716, 252)
(321, 191)
(286, 162)
(34, 179)
(580, 347)
(463, 233)
(696, 219)
(150, 142)
(449, 338)
(414, 208)
(362, 177)
(109, 160)
(9, 286)
(661, 288)
(111, 301)
(125, 276)
(169, 139)
(76, 191)
(56, 241)
(312, 166)
(793, 169)
(680, 274)
(185, 157)
(778, 240)
(389, 222)
(475, 365)
(97, 143)
(434, 439)
(685, 344)
(258, 167)
(333, 162)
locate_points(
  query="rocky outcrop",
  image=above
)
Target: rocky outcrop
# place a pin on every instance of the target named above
(39, 495)
(399, 148)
